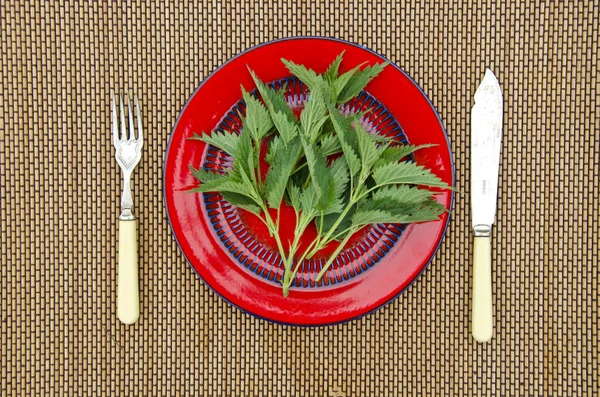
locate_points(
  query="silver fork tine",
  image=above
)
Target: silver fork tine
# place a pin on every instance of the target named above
(115, 119)
(131, 127)
(123, 125)
(139, 120)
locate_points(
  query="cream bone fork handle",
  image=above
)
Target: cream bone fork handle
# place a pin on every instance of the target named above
(486, 140)
(128, 152)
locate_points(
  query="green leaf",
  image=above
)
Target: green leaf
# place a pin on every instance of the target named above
(313, 115)
(428, 211)
(320, 174)
(244, 163)
(340, 174)
(274, 100)
(367, 148)
(309, 199)
(226, 184)
(393, 154)
(401, 195)
(294, 196)
(406, 172)
(258, 120)
(307, 76)
(342, 81)
(275, 146)
(359, 81)
(225, 141)
(288, 129)
(279, 173)
(204, 175)
(329, 144)
(364, 217)
(332, 71)
(347, 137)
(242, 201)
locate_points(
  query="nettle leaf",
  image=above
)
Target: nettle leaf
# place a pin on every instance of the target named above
(275, 146)
(329, 144)
(205, 175)
(244, 164)
(294, 195)
(225, 141)
(346, 135)
(401, 195)
(364, 217)
(359, 81)
(288, 129)
(309, 199)
(279, 173)
(340, 83)
(429, 211)
(340, 175)
(307, 76)
(320, 174)
(393, 154)
(275, 100)
(226, 184)
(313, 115)
(258, 120)
(367, 148)
(332, 71)
(241, 201)
(407, 173)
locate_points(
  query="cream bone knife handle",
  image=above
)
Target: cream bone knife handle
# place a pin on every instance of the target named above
(482, 321)
(128, 298)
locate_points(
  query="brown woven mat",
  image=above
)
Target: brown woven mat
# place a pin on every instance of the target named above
(60, 187)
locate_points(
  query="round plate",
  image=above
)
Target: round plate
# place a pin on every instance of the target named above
(228, 249)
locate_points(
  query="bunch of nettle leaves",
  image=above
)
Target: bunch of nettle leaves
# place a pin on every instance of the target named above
(324, 164)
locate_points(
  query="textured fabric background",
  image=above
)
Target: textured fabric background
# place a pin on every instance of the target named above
(60, 194)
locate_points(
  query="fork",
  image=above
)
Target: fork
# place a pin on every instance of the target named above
(128, 152)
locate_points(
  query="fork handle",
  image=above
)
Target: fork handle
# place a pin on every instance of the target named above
(128, 299)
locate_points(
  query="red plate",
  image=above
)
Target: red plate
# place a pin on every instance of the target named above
(233, 254)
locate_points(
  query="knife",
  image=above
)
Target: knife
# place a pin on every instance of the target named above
(486, 140)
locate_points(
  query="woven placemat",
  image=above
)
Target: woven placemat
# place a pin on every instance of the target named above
(60, 195)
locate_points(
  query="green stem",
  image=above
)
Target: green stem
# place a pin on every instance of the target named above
(303, 257)
(257, 158)
(333, 256)
(343, 232)
(356, 197)
(327, 237)
(274, 229)
(298, 168)
(289, 260)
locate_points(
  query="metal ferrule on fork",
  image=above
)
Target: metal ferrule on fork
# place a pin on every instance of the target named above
(126, 199)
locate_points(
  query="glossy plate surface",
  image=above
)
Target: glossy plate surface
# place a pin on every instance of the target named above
(228, 248)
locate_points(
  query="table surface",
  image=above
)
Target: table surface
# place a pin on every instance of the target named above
(59, 196)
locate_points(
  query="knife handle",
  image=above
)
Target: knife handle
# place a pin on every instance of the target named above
(128, 299)
(482, 321)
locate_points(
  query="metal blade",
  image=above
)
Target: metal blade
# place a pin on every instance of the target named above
(486, 140)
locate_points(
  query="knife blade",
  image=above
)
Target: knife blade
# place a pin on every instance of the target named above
(486, 140)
